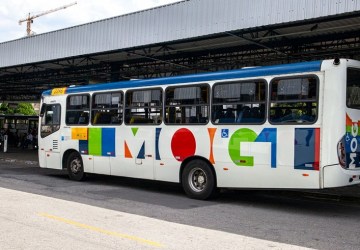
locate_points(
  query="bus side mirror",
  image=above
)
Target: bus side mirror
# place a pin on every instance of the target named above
(42, 110)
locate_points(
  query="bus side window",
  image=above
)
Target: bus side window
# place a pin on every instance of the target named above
(294, 100)
(143, 106)
(187, 105)
(107, 108)
(241, 102)
(77, 106)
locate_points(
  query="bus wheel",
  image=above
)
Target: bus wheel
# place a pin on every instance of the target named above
(75, 167)
(198, 180)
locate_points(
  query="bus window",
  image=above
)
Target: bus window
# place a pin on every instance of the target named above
(107, 108)
(50, 122)
(77, 109)
(239, 102)
(293, 100)
(353, 88)
(143, 106)
(187, 105)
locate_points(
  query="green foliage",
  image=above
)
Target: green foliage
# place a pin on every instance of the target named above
(5, 109)
(22, 108)
(25, 109)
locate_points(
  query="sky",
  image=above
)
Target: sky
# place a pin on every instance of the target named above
(11, 11)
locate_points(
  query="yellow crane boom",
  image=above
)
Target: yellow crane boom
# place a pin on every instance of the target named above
(29, 19)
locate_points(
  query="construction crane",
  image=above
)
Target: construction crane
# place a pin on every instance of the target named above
(29, 19)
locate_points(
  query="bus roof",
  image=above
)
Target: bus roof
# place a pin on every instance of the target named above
(202, 77)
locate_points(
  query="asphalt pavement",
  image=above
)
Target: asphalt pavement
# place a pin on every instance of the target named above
(20, 155)
(349, 193)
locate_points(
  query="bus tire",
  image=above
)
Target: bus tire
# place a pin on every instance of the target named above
(198, 180)
(75, 167)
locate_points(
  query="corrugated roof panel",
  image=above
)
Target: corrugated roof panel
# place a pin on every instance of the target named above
(181, 20)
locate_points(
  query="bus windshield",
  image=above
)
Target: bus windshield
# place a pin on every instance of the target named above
(353, 88)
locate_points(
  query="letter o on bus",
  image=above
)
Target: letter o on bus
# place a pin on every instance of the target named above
(353, 144)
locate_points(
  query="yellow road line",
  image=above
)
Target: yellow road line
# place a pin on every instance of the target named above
(103, 231)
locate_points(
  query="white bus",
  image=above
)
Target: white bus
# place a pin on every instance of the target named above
(293, 126)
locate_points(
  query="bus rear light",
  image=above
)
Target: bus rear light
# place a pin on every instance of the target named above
(341, 153)
(305, 175)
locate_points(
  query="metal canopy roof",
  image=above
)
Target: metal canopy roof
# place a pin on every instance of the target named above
(185, 37)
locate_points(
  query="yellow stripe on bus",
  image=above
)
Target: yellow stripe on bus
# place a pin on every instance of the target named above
(79, 133)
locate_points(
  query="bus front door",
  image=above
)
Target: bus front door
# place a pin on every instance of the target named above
(49, 146)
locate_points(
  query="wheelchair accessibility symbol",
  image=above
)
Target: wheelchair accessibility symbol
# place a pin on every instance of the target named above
(225, 133)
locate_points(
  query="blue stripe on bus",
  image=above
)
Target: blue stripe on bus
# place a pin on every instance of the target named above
(202, 77)
(108, 141)
(84, 147)
(141, 154)
(157, 136)
(305, 149)
(269, 135)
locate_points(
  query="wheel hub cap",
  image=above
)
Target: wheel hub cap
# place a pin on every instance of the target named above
(197, 179)
(75, 166)
(201, 179)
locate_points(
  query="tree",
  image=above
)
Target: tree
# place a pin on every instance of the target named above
(5, 109)
(22, 108)
(25, 109)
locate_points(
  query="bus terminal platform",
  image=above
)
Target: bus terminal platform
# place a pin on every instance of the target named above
(29, 157)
